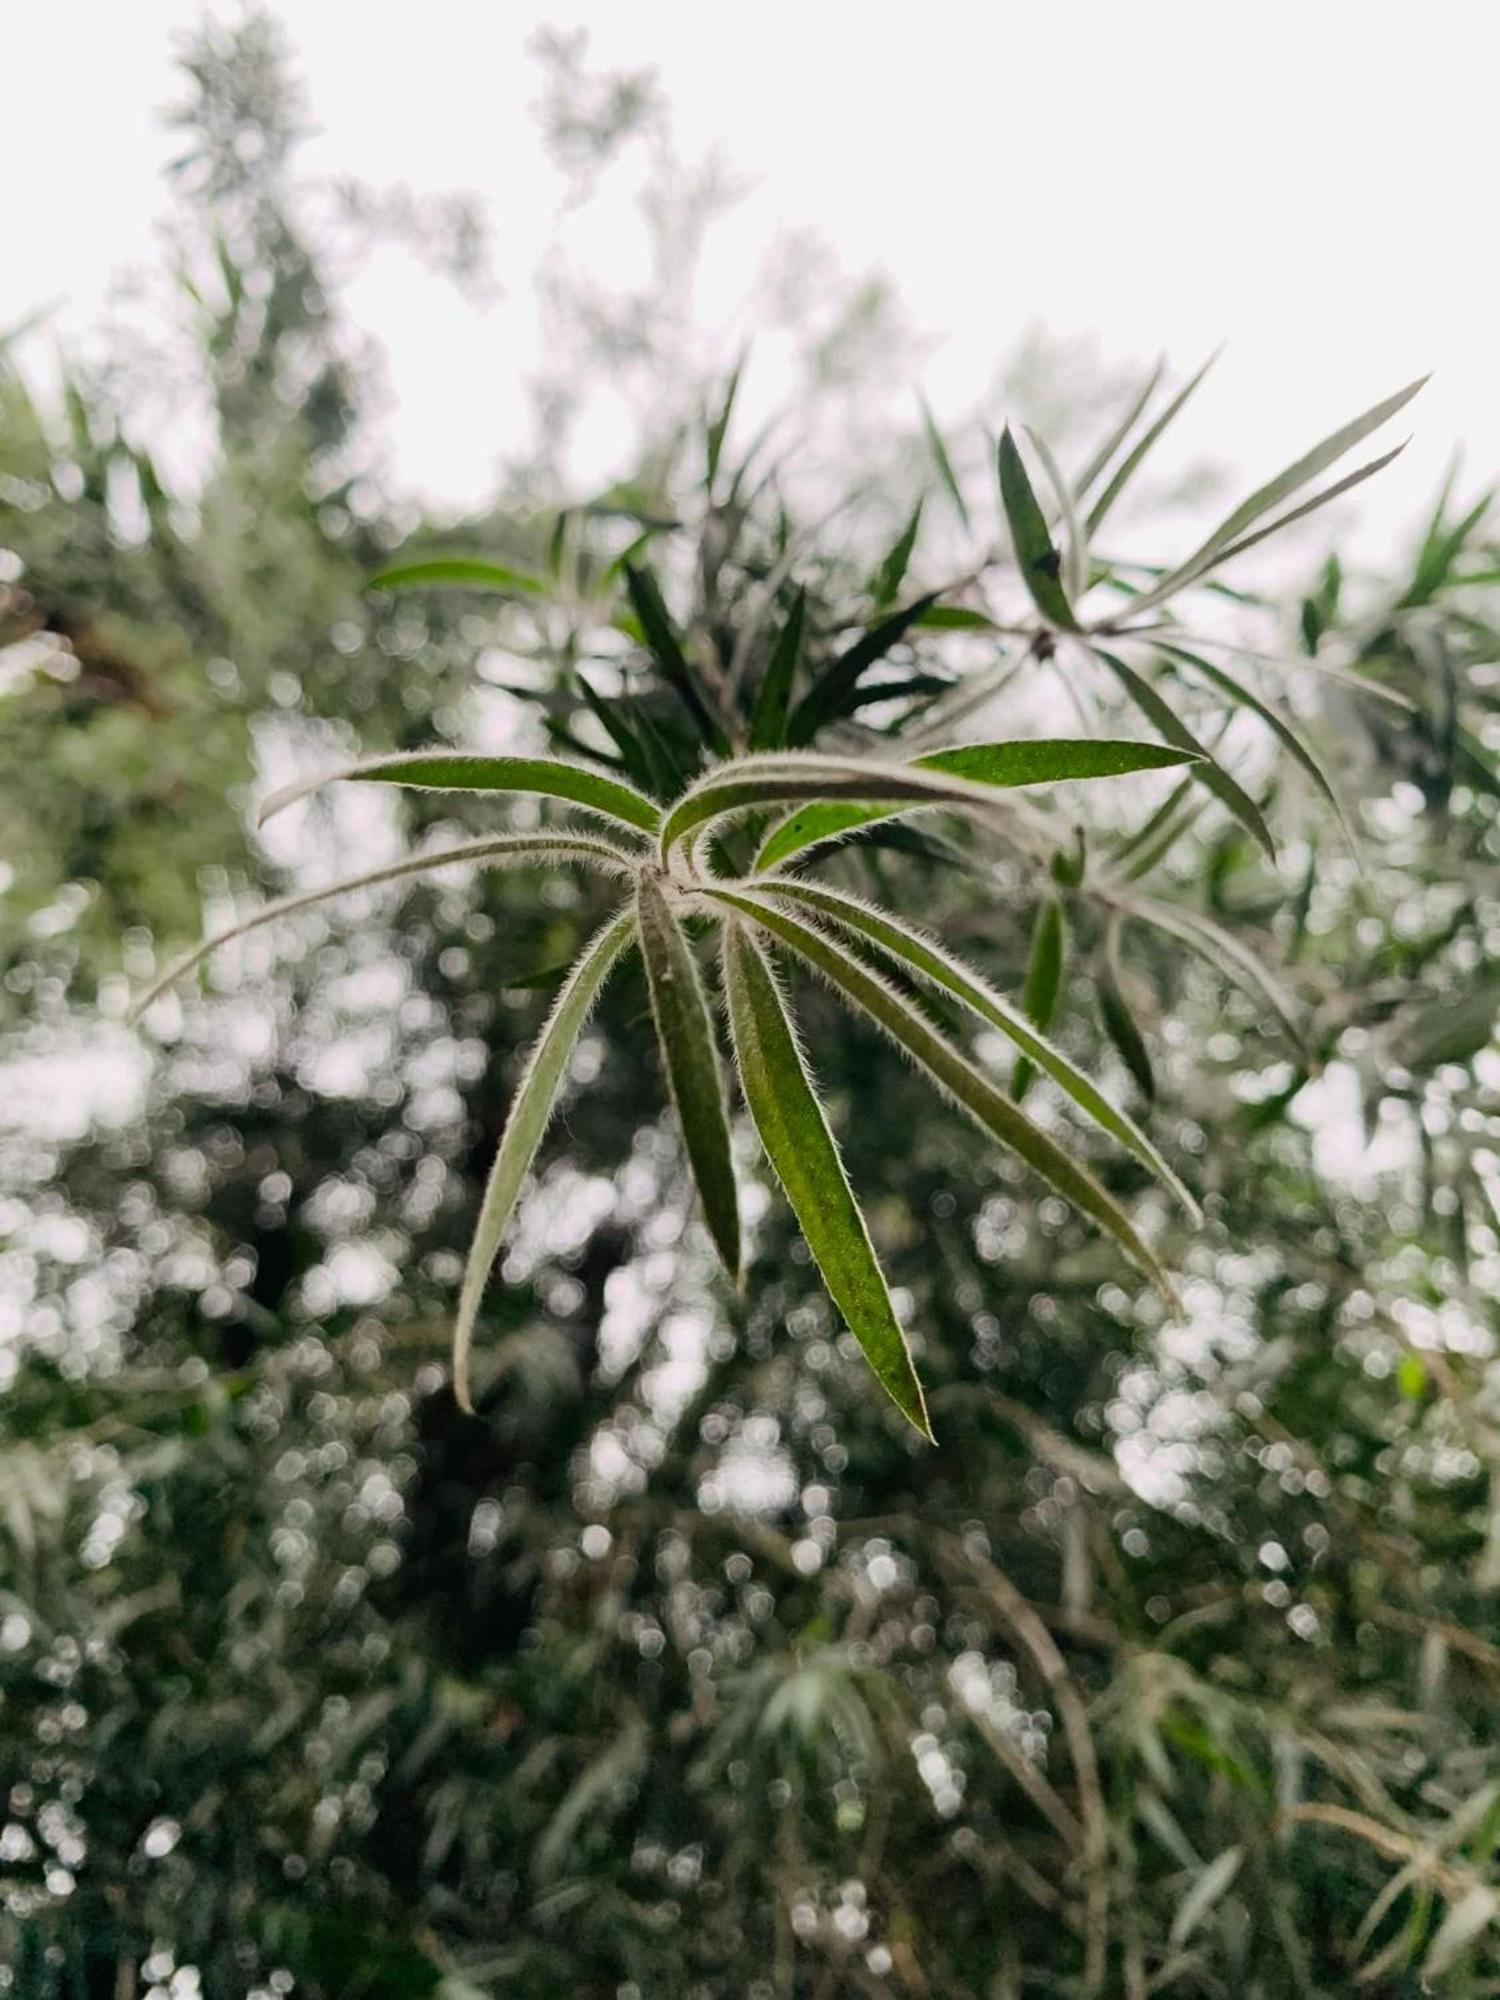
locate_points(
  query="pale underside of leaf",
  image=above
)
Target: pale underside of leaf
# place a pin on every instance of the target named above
(952, 1070)
(510, 850)
(919, 953)
(685, 1032)
(464, 771)
(530, 1114)
(801, 1149)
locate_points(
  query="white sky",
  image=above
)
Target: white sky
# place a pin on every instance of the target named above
(1316, 183)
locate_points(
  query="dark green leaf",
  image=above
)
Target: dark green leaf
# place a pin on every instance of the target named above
(1043, 988)
(773, 697)
(828, 697)
(1039, 562)
(472, 572)
(665, 648)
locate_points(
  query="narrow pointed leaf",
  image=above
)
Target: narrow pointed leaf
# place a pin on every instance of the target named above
(1038, 561)
(719, 426)
(1214, 1882)
(471, 572)
(944, 465)
(1280, 725)
(794, 1132)
(916, 952)
(1043, 988)
(1208, 771)
(1037, 761)
(774, 695)
(1212, 558)
(1075, 542)
(664, 644)
(827, 699)
(952, 1070)
(892, 573)
(1235, 525)
(1099, 463)
(530, 1114)
(1131, 463)
(503, 850)
(1119, 1022)
(464, 771)
(685, 1032)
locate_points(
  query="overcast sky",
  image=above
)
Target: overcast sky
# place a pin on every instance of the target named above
(1314, 183)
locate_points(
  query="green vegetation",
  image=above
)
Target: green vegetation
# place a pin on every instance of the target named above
(687, 833)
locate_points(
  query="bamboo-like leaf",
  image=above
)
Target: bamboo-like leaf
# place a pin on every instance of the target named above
(664, 645)
(1131, 463)
(685, 1032)
(828, 697)
(1280, 725)
(917, 952)
(718, 426)
(1038, 561)
(784, 1104)
(774, 695)
(1119, 1022)
(500, 851)
(1035, 761)
(1099, 463)
(1043, 988)
(1231, 535)
(465, 771)
(1225, 952)
(1474, 1912)
(1208, 771)
(472, 572)
(1075, 552)
(530, 1115)
(1200, 564)
(951, 1069)
(892, 572)
(944, 465)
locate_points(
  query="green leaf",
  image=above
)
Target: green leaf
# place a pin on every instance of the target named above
(665, 647)
(1119, 1022)
(530, 1115)
(794, 1132)
(1130, 465)
(719, 426)
(916, 952)
(951, 1069)
(892, 572)
(773, 697)
(685, 1031)
(944, 465)
(1075, 541)
(954, 618)
(1043, 988)
(1209, 771)
(468, 771)
(1230, 537)
(1097, 465)
(1039, 563)
(500, 851)
(828, 697)
(1035, 761)
(472, 572)
(1280, 726)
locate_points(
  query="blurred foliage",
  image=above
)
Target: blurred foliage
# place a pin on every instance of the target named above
(684, 1667)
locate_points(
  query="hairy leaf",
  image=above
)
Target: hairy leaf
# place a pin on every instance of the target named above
(530, 1115)
(947, 1064)
(690, 1056)
(784, 1104)
(464, 771)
